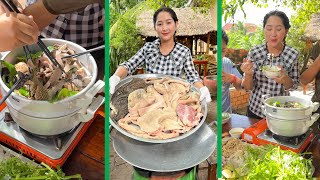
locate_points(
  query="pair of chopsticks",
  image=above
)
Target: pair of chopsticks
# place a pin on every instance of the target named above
(23, 78)
(85, 52)
(13, 8)
(48, 53)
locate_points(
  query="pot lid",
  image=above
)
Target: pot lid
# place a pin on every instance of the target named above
(167, 157)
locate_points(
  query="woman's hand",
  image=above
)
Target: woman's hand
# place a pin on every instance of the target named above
(113, 82)
(247, 67)
(228, 78)
(17, 30)
(283, 77)
(205, 94)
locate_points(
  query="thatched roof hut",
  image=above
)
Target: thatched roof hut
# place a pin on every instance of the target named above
(312, 31)
(193, 24)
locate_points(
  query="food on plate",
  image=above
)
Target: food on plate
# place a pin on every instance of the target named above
(46, 81)
(270, 68)
(271, 71)
(163, 109)
(248, 161)
(287, 104)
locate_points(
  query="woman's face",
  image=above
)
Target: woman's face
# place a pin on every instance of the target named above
(275, 31)
(165, 26)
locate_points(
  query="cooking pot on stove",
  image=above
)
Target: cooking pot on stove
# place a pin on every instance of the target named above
(288, 113)
(290, 128)
(127, 80)
(45, 118)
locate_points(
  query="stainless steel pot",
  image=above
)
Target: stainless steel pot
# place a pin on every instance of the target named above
(290, 128)
(288, 113)
(144, 76)
(29, 113)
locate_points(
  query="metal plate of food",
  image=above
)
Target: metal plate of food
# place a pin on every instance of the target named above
(167, 157)
(120, 100)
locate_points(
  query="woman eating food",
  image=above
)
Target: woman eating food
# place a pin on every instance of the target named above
(275, 52)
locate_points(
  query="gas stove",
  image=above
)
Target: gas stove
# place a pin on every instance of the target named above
(52, 150)
(259, 134)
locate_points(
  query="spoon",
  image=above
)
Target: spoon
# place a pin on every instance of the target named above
(85, 52)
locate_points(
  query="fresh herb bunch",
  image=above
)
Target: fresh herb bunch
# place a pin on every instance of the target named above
(16, 169)
(271, 162)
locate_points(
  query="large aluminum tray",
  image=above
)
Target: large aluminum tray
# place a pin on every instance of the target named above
(144, 76)
(168, 157)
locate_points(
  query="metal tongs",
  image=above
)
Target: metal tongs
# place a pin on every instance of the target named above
(22, 79)
(85, 52)
(13, 8)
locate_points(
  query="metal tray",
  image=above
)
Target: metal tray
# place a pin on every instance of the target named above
(167, 157)
(144, 76)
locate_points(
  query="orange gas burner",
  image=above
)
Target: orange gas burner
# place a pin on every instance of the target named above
(259, 134)
(52, 150)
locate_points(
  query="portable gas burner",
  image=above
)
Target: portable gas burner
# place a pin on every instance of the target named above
(259, 134)
(52, 150)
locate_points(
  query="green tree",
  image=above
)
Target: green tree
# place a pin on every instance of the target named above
(240, 38)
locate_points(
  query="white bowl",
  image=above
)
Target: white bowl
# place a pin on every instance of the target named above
(271, 71)
(225, 117)
(236, 132)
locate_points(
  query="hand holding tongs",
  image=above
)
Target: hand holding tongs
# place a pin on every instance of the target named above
(13, 8)
(85, 52)
(22, 79)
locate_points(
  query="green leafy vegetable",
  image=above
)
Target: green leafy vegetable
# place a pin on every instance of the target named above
(11, 75)
(271, 162)
(276, 104)
(24, 92)
(34, 55)
(63, 93)
(15, 168)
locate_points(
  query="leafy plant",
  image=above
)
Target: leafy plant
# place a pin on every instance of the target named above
(240, 38)
(15, 168)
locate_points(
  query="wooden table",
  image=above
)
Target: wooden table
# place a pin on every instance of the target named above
(244, 122)
(88, 156)
(205, 66)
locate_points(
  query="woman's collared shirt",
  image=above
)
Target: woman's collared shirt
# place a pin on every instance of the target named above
(179, 60)
(81, 27)
(288, 59)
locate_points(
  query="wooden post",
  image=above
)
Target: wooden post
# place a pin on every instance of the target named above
(196, 47)
(208, 43)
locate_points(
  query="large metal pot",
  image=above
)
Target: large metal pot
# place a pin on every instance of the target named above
(126, 80)
(50, 118)
(288, 113)
(290, 128)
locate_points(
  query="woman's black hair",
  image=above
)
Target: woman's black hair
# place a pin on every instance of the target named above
(284, 18)
(281, 15)
(225, 37)
(164, 9)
